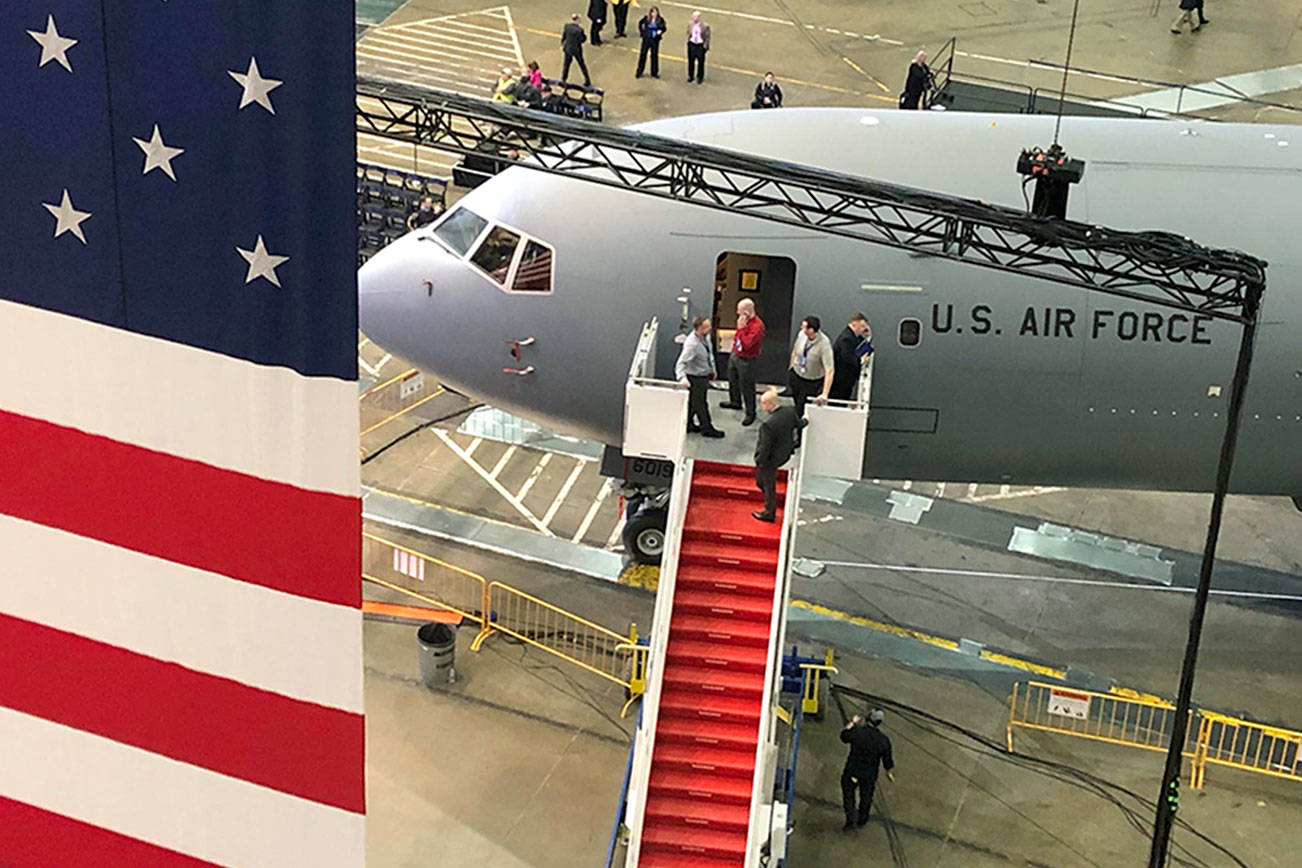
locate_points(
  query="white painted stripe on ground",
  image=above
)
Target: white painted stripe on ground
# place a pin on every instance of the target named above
(164, 396)
(990, 574)
(784, 22)
(472, 33)
(474, 444)
(150, 797)
(515, 38)
(362, 343)
(291, 645)
(1225, 90)
(501, 462)
(602, 494)
(406, 57)
(490, 12)
(458, 51)
(379, 366)
(533, 476)
(492, 481)
(563, 493)
(362, 363)
(614, 538)
(452, 42)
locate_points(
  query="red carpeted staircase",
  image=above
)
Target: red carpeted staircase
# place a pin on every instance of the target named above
(698, 797)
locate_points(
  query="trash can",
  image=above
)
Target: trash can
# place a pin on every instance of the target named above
(438, 645)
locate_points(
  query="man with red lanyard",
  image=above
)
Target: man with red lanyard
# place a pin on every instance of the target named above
(746, 344)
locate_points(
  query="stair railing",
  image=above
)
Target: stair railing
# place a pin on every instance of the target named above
(759, 826)
(644, 744)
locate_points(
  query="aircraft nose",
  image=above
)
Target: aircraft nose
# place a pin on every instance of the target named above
(387, 285)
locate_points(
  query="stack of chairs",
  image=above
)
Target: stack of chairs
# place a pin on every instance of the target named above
(384, 199)
(578, 101)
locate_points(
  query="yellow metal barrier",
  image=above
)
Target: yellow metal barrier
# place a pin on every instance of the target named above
(1137, 722)
(1243, 744)
(813, 676)
(556, 631)
(395, 566)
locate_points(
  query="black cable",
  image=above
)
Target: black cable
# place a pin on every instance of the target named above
(1066, 68)
(1051, 768)
(421, 427)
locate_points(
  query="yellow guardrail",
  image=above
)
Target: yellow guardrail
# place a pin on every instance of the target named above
(1141, 720)
(499, 608)
(1246, 745)
(812, 678)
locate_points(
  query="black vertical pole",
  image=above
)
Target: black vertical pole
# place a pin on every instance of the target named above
(1168, 799)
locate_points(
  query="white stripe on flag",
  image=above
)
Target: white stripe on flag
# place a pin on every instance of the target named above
(295, 646)
(182, 807)
(276, 424)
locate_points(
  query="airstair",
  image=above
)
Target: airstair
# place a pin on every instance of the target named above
(704, 788)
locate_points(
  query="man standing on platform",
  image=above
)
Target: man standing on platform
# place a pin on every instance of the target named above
(777, 440)
(695, 369)
(812, 366)
(746, 344)
(850, 352)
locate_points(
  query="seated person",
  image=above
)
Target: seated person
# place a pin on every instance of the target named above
(504, 90)
(423, 214)
(767, 93)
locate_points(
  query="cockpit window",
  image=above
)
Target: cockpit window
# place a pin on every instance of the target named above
(460, 229)
(495, 253)
(534, 273)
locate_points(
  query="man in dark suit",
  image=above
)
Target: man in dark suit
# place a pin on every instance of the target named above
(849, 352)
(572, 39)
(777, 440)
(597, 15)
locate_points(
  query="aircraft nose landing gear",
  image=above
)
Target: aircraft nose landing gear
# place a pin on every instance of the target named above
(644, 527)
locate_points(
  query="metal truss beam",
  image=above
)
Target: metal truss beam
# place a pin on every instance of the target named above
(1156, 267)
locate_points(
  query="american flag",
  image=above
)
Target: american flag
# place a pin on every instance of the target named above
(181, 679)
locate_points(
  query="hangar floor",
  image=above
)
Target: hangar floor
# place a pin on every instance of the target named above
(519, 763)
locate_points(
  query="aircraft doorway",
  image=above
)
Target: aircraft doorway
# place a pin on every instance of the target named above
(769, 281)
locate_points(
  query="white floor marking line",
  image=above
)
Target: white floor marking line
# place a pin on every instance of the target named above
(501, 462)
(562, 494)
(592, 512)
(379, 366)
(782, 22)
(1028, 492)
(490, 11)
(406, 55)
(474, 444)
(533, 477)
(363, 342)
(361, 361)
(989, 574)
(613, 539)
(515, 38)
(1226, 90)
(492, 480)
(450, 42)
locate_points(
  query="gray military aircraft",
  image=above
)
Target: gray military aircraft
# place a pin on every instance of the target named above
(980, 375)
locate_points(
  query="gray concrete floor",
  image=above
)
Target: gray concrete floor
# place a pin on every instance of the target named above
(519, 763)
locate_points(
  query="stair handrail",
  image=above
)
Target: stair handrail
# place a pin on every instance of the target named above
(622, 811)
(644, 735)
(761, 795)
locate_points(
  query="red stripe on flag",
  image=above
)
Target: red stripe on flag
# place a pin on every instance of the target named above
(31, 837)
(286, 744)
(268, 533)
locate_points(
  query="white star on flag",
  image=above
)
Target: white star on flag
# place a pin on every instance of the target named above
(261, 263)
(68, 218)
(157, 154)
(256, 88)
(53, 46)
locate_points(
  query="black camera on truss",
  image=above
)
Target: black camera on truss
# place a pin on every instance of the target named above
(1054, 172)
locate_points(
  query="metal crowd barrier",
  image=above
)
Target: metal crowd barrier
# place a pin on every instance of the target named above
(499, 608)
(1143, 721)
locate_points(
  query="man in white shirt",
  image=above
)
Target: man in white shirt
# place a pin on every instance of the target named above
(698, 42)
(694, 369)
(812, 365)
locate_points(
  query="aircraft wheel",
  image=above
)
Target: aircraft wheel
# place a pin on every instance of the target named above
(644, 536)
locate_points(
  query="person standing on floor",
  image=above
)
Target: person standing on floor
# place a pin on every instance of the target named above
(698, 43)
(773, 448)
(1187, 9)
(767, 93)
(746, 344)
(597, 15)
(651, 27)
(850, 352)
(621, 16)
(916, 85)
(572, 40)
(812, 366)
(695, 369)
(868, 747)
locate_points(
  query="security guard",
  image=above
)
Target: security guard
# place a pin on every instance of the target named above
(868, 747)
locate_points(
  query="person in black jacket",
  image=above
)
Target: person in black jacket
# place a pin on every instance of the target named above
(868, 747)
(916, 85)
(597, 15)
(848, 355)
(651, 27)
(767, 93)
(621, 16)
(572, 40)
(776, 442)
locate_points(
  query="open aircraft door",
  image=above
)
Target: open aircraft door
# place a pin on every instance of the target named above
(834, 442)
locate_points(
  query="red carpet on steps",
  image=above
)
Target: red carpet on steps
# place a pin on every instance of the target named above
(698, 798)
